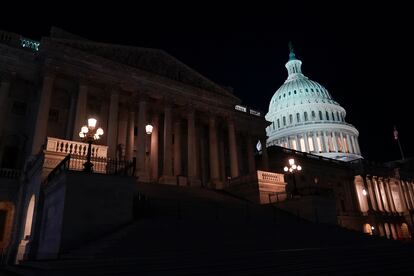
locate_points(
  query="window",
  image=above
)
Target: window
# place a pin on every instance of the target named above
(313, 115)
(289, 93)
(333, 116)
(135, 131)
(337, 116)
(284, 95)
(290, 119)
(294, 91)
(297, 117)
(306, 90)
(19, 108)
(53, 115)
(327, 116)
(278, 123)
(320, 115)
(284, 121)
(305, 116)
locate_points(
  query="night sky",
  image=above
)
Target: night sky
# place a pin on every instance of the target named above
(361, 54)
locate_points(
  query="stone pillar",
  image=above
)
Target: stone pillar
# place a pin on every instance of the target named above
(325, 142)
(298, 145)
(154, 147)
(335, 142)
(305, 137)
(376, 187)
(385, 200)
(113, 124)
(177, 147)
(122, 133)
(141, 142)
(69, 133)
(367, 197)
(40, 130)
(167, 174)
(371, 193)
(341, 137)
(192, 151)
(391, 196)
(80, 114)
(129, 148)
(350, 150)
(316, 148)
(234, 165)
(214, 158)
(265, 158)
(401, 195)
(250, 155)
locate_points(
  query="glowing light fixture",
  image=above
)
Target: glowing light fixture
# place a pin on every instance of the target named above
(364, 192)
(148, 128)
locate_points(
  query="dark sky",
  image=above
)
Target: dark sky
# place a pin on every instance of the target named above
(361, 53)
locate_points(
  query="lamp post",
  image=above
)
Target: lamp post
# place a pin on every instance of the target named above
(89, 137)
(292, 168)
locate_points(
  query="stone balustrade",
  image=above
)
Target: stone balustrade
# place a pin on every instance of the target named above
(270, 177)
(9, 173)
(73, 147)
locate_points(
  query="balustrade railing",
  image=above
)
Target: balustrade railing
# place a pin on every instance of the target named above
(75, 148)
(100, 165)
(9, 173)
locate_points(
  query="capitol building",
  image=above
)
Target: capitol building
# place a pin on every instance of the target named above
(305, 117)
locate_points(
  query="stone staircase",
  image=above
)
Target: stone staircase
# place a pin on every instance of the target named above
(201, 232)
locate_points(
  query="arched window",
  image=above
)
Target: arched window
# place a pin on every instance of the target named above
(290, 119)
(320, 115)
(297, 117)
(305, 116)
(284, 121)
(333, 116)
(313, 115)
(278, 123)
(337, 116)
(294, 91)
(327, 116)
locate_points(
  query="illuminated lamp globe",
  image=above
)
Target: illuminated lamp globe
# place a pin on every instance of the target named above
(84, 129)
(92, 123)
(285, 169)
(99, 131)
(148, 128)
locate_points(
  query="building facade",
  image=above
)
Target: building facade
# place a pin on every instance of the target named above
(306, 118)
(369, 197)
(50, 88)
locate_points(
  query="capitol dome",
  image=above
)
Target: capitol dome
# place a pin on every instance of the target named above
(306, 118)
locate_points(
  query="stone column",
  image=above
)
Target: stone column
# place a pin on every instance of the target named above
(305, 137)
(341, 137)
(298, 145)
(250, 155)
(371, 193)
(177, 147)
(401, 195)
(214, 158)
(69, 133)
(40, 130)
(141, 141)
(325, 142)
(350, 150)
(129, 148)
(378, 194)
(367, 197)
(289, 145)
(315, 143)
(335, 142)
(192, 151)
(154, 147)
(167, 174)
(234, 165)
(80, 114)
(385, 200)
(113, 124)
(122, 133)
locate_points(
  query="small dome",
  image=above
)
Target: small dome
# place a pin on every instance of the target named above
(304, 116)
